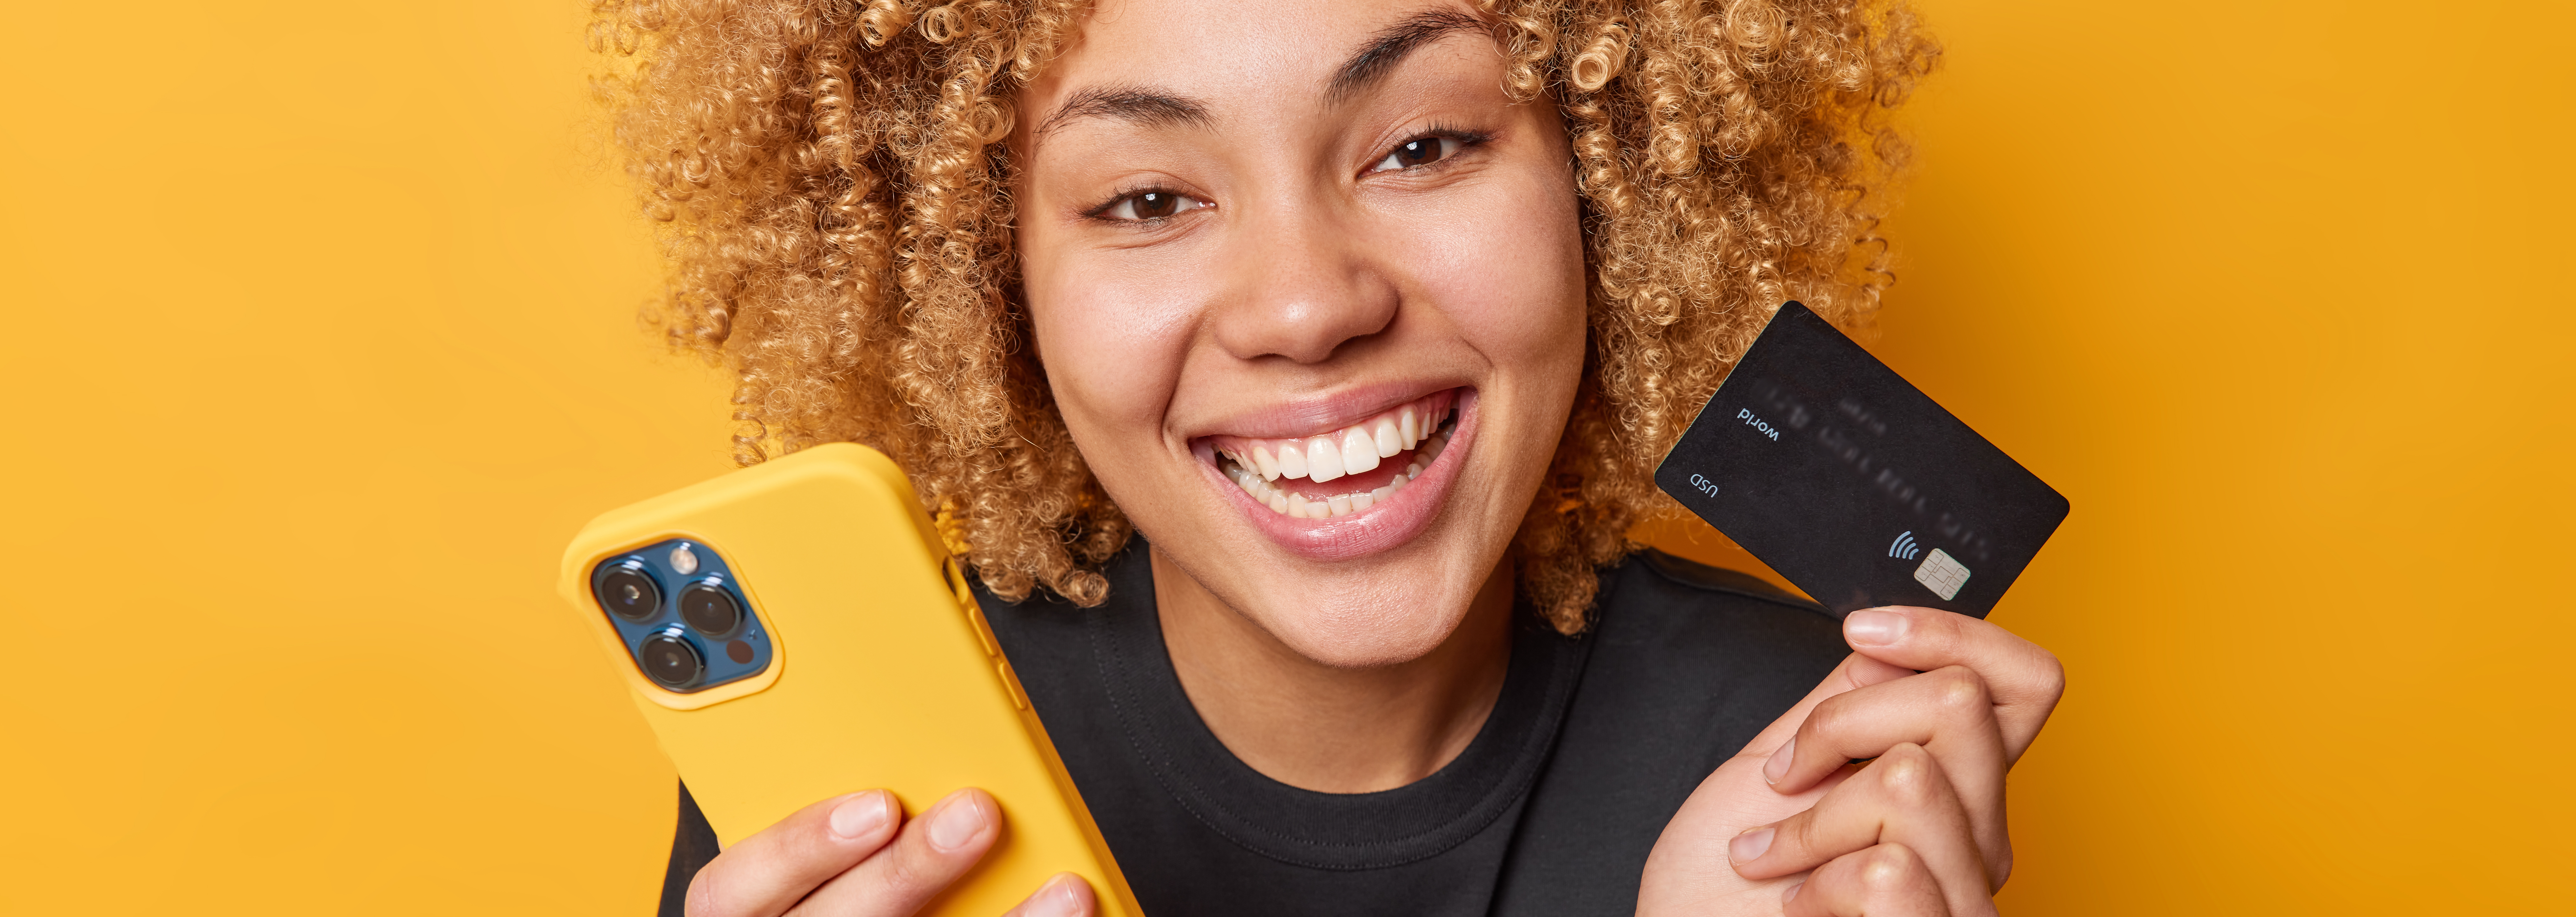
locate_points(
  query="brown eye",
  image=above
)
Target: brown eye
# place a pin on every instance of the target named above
(1420, 151)
(1151, 205)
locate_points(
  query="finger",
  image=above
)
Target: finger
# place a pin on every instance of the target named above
(2024, 679)
(1855, 672)
(1066, 895)
(1688, 862)
(1901, 798)
(925, 858)
(1947, 711)
(1887, 880)
(1948, 706)
(765, 874)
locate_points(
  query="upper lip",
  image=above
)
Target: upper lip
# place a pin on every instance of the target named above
(1319, 414)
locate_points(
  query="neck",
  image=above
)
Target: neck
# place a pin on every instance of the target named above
(1327, 729)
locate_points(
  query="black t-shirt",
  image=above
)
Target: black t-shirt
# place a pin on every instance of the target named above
(1551, 809)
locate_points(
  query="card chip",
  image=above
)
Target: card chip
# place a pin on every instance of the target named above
(1942, 575)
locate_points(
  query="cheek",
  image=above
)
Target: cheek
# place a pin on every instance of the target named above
(1110, 337)
(1510, 276)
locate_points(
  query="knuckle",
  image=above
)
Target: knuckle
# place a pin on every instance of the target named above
(1907, 776)
(1959, 690)
(1888, 867)
(916, 868)
(1804, 834)
(1830, 719)
(1910, 754)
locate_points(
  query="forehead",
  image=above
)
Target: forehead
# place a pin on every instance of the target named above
(1232, 55)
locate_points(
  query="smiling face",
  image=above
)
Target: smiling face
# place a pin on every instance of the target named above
(1308, 288)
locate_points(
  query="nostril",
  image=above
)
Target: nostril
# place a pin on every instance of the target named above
(1303, 299)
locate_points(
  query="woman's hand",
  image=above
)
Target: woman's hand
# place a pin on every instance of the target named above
(1919, 830)
(854, 855)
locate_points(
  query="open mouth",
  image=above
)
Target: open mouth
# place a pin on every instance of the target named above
(1343, 471)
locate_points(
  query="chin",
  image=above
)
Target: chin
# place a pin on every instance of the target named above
(1369, 628)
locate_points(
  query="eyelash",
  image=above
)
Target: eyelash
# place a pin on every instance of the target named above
(1465, 139)
(1124, 195)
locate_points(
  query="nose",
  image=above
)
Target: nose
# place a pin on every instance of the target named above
(1300, 285)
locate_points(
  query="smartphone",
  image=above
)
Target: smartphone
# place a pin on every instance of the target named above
(796, 630)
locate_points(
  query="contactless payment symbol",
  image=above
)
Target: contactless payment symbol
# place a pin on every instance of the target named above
(1942, 574)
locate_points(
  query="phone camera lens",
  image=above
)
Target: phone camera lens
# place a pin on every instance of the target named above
(629, 592)
(670, 661)
(710, 609)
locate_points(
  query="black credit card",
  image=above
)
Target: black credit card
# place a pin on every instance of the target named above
(1823, 463)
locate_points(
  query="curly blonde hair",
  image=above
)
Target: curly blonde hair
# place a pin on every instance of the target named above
(835, 197)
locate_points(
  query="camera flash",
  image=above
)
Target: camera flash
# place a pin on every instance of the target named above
(684, 560)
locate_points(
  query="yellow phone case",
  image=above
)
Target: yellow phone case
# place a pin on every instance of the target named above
(882, 670)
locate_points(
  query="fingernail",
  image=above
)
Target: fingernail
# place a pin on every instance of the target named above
(861, 815)
(958, 820)
(1748, 846)
(1773, 769)
(1791, 893)
(1057, 899)
(1874, 628)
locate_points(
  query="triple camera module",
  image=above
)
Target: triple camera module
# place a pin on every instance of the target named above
(682, 615)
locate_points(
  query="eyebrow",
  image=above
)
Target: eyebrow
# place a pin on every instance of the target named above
(1392, 44)
(1141, 107)
(1154, 108)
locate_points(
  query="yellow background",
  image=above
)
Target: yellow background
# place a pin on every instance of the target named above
(320, 341)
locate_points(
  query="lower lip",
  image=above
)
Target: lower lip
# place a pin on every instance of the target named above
(1394, 521)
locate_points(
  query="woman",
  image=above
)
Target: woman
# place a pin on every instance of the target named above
(1372, 320)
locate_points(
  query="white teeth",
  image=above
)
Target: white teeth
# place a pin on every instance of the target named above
(1359, 452)
(1299, 506)
(1254, 465)
(1323, 459)
(1292, 461)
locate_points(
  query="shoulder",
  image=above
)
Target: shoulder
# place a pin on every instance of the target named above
(1047, 624)
(1681, 576)
(1671, 633)
(1687, 663)
(1689, 609)
(1717, 653)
